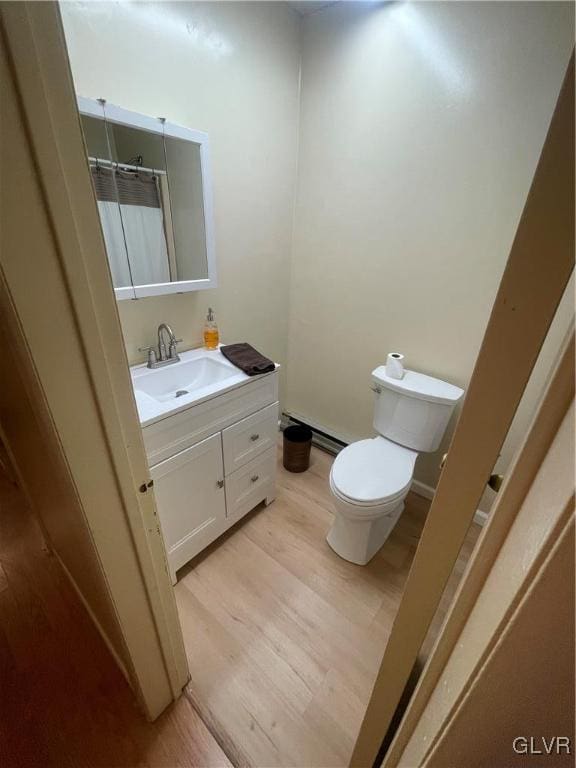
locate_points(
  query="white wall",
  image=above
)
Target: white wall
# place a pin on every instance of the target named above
(231, 69)
(421, 125)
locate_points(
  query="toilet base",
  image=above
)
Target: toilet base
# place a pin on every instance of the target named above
(359, 540)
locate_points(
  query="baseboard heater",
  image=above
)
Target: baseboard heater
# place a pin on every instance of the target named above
(320, 438)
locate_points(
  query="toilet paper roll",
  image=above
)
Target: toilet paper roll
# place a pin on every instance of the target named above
(394, 365)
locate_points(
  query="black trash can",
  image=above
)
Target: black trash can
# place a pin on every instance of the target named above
(297, 444)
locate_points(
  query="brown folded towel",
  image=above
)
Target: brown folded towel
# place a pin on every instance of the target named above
(247, 359)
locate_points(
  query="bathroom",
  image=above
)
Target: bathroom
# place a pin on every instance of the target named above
(358, 173)
(325, 277)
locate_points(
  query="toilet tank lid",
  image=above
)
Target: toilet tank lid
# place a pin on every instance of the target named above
(420, 386)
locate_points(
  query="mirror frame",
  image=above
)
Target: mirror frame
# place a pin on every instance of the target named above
(115, 114)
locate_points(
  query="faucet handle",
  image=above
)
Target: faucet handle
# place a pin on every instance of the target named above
(151, 355)
(172, 354)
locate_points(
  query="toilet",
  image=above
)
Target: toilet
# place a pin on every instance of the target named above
(370, 479)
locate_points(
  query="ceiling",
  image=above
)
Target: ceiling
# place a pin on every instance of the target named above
(304, 7)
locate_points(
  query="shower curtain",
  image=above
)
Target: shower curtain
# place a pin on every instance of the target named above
(115, 245)
(133, 226)
(144, 232)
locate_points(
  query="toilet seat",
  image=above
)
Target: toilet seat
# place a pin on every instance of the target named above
(365, 512)
(366, 507)
(370, 473)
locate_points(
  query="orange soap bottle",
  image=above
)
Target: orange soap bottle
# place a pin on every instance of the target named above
(211, 335)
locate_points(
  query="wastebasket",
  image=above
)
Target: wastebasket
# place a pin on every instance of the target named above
(297, 444)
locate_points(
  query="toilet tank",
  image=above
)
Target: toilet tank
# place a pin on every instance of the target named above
(413, 411)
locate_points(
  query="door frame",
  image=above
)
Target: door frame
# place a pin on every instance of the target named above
(35, 44)
(539, 266)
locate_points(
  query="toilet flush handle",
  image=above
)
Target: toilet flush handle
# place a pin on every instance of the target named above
(376, 388)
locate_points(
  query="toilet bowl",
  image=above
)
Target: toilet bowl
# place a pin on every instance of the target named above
(370, 479)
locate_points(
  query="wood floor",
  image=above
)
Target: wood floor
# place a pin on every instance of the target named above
(63, 701)
(284, 638)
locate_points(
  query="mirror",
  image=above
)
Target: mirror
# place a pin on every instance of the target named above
(153, 191)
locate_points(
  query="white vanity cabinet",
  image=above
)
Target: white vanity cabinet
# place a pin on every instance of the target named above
(211, 463)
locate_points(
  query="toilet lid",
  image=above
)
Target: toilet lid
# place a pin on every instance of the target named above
(372, 471)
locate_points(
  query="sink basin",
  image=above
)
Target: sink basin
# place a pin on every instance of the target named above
(183, 378)
(199, 375)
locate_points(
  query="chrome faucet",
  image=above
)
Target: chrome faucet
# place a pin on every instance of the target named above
(166, 353)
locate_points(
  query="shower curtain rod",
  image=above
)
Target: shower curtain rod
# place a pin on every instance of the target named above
(115, 164)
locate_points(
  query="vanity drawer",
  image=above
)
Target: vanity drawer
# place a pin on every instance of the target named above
(250, 437)
(250, 485)
(173, 434)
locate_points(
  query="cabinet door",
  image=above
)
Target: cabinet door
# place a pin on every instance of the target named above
(189, 490)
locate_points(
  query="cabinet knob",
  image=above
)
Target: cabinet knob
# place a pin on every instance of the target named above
(220, 483)
(254, 478)
(254, 437)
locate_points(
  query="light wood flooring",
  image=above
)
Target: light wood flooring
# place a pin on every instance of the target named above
(63, 701)
(284, 638)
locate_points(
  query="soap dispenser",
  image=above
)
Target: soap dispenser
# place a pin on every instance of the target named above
(211, 335)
